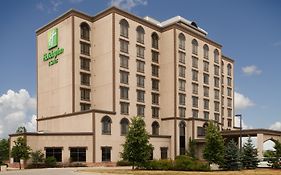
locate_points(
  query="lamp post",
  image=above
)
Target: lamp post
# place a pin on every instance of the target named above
(240, 144)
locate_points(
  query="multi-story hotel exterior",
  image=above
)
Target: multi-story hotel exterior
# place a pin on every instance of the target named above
(96, 72)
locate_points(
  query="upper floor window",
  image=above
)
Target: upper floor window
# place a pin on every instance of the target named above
(85, 31)
(206, 51)
(229, 69)
(124, 26)
(106, 125)
(140, 34)
(155, 128)
(216, 56)
(154, 38)
(124, 126)
(222, 67)
(85, 48)
(181, 41)
(194, 46)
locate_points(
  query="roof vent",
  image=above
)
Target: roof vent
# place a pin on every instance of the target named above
(194, 24)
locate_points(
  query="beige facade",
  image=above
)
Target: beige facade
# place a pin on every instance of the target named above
(115, 66)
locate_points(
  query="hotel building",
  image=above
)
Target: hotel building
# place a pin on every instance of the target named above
(96, 72)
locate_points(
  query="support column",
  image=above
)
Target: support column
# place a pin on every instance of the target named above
(260, 145)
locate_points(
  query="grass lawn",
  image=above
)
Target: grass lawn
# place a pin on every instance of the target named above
(141, 172)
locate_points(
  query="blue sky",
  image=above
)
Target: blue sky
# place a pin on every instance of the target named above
(250, 32)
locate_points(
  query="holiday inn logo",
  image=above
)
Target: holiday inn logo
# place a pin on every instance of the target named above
(53, 38)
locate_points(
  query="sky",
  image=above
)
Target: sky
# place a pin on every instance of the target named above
(250, 32)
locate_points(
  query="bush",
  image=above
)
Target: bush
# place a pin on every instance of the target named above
(77, 164)
(123, 163)
(159, 165)
(50, 162)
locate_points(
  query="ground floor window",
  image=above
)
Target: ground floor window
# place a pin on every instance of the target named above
(164, 152)
(54, 152)
(78, 154)
(106, 154)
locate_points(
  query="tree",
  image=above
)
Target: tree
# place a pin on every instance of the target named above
(20, 150)
(4, 150)
(249, 157)
(276, 155)
(231, 157)
(191, 148)
(214, 148)
(21, 130)
(137, 148)
(37, 157)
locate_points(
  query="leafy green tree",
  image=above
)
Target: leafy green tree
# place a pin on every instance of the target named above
(275, 159)
(191, 148)
(137, 148)
(21, 130)
(231, 157)
(4, 150)
(37, 157)
(249, 156)
(214, 148)
(269, 154)
(20, 150)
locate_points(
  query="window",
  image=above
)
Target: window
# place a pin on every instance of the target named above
(182, 143)
(85, 79)
(155, 84)
(200, 131)
(229, 122)
(85, 94)
(124, 26)
(229, 80)
(216, 82)
(229, 92)
(206, 91)
(140, 51)
(217, 117)
(85, 63)
(195, 102)
(155, 70)
(217, 106)
(155, 128)
(229, 113)
(222, 67)
(182, 112)
(217, 94)
(194, 88)
(155, 98)
(140, 110)
(182, 99)
(181, 41)
(182, 71)
(155, 56)
(106, 125)
(124, 93)
(206, 51)
(78, 154)
(124, 46)
(164, 152)
(206, 66)
(182, 126)
(222, 121)
(206, 104)
(124, 108)
(229, 70)
(140, 81)
(140, 66)
(181, 85)
(124, 61)
(54, 152)
(229, 102)
(106, 154)
(222, 100)
(154, 38)
(222, 111)
(216, 70)
(194, 46)
(140, 96)
(206, 115)
(182, 57)
(140, 34)
(124, 126)
(194, 75)
(85, 48)
(85, 106)
(194, 113)
(85, 31)
(194, 62)
(155, 112)
(124, 77)
(216, 56)
(206, 78)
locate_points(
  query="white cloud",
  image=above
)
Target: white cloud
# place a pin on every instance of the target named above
(17, 109)
(276, 126)
(127, 4)
(244, 125)
(242, 102)
(251, 70)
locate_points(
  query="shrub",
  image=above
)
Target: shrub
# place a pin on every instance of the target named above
(50, 162)
(158, 165)
(77, 164)
(123, 163)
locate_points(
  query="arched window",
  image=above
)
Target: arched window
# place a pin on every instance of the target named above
(229, 69)
(106, 125)
(181, 41)
(216, 56)
(194, 46)
(182, 140)
(155, 39)
(140, 34)
(124, 126)
(85, 31)
(155, 128)
(124, 28)
(206, 51)
(182, 126)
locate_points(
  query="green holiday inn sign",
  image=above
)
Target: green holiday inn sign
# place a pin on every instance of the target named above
(53, 48)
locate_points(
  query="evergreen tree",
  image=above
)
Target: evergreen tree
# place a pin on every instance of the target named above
(21, 130)
(37, 157)
(191, 148)
(231, 157)
(20, 150)
(137, 149)
(275, 159)
(249, 157)
(4, 150)
(214, 148)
